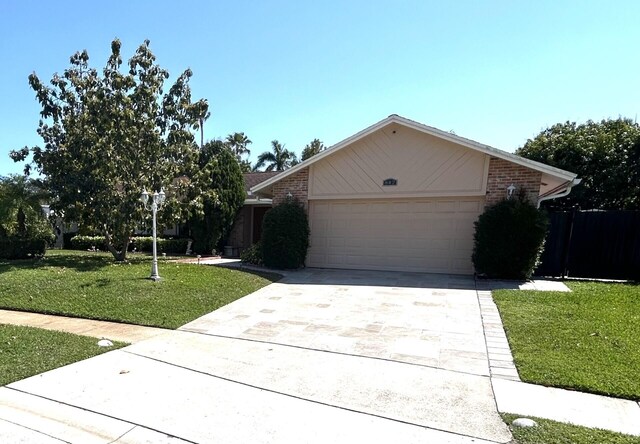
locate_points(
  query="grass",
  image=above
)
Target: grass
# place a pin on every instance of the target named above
(92, 285)
(586, 340)
(27, 351)
(552, 432)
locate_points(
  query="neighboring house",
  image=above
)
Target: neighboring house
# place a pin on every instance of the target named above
(247, 228)
(401, 195)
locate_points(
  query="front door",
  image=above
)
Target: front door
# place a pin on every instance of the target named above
(258, 216)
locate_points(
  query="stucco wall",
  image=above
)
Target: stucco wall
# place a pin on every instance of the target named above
(503, 173)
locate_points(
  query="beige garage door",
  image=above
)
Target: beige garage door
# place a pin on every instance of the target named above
(426, 235)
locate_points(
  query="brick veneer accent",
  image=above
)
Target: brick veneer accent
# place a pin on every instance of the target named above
(296, 184)
(237, 234)
(503, 173)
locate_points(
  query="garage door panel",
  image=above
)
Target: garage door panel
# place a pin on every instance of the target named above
(470, 206)
(432, 235)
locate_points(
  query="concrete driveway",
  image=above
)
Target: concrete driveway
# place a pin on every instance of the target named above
(322, 356)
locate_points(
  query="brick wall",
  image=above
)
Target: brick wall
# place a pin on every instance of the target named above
(236, 236)
(296, 184)
(503, 173)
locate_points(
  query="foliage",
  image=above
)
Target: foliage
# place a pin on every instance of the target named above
(553, 432)
(28, 351)
(21, 215)
(606, 155)
(221, 171)
(108, 134)
(509, 239)
(139, 243)
(168, 246)
(90, 285)
(312, 148)
(238, 144)
(285, 236)
(79, 242)
(278, 159)
(253, 254)
(15, 248)
(587, 339)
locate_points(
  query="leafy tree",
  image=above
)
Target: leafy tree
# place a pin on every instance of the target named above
(21, 215)
(606, 155)
(278, 159)
(312, 148)
(108, 134)
(223, 197)
(238, 143)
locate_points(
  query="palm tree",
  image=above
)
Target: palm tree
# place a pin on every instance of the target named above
(238, 143)
(20, 200)
(278, 159)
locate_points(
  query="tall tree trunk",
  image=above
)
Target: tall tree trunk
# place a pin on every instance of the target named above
(119, 256)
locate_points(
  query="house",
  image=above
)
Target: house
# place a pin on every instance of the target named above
(247, 228)
(401, 195)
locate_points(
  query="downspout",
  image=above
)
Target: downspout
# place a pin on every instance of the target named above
(566, 192)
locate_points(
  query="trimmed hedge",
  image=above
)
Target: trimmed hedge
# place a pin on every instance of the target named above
(22, 248)
(169, 246)
(87, 243)
(285, 236)
(509, 239)
(142, 243)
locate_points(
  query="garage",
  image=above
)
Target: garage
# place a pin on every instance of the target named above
(394, 234)
(403, 196)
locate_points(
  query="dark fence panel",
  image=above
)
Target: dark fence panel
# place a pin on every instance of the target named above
(555, 248)
(593, 244)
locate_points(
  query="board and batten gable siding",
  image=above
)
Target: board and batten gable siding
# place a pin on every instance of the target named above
(423, 165)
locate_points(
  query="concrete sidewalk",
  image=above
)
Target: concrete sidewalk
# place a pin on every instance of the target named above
(114, 331)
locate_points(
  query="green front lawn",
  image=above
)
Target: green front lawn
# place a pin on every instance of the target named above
(92, 285)
(552, 432)
(587, 340)
(26, 351)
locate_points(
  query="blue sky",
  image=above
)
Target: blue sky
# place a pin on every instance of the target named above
(494, 71)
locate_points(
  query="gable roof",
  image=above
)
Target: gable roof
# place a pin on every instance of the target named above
(394, 118)
(256, 178)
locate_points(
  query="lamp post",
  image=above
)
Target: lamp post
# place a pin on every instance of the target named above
(157, 199)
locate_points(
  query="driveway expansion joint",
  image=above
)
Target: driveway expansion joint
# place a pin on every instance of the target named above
(300, 347)
(34, 430)
(94, 412)
(299, 397)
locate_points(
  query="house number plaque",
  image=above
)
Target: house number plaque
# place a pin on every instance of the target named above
(389, 182)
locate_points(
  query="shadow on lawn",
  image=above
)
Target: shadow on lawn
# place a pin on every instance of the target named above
(271, 276)
(73, 260)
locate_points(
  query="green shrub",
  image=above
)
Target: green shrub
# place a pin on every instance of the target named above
(88, 243)
(285, 236)
(172, 246)
(509, 239)
(140, 243)
(253, 254)
(13, 248)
